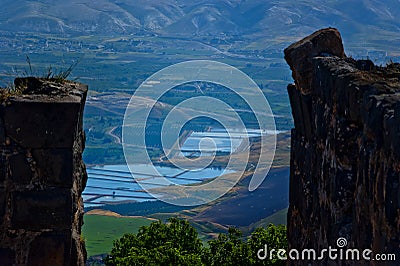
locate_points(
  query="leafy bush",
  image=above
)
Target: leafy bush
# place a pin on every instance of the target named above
(177, 243)
(174, 243)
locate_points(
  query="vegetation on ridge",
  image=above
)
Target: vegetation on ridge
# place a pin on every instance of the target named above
(23, 81)
(177, 243)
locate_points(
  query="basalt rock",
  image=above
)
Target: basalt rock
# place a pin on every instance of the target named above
(345, 152)
(42, 174)
(299, 55)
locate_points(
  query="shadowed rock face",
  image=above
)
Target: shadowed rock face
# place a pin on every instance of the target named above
(299, 55)
(345, 150)
(42, 174)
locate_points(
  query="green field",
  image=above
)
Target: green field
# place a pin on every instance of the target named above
(280, 217)
(99, 231)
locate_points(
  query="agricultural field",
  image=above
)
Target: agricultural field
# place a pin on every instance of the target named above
(101, 228)
(114, 67)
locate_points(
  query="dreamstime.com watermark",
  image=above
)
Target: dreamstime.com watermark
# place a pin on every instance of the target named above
(340, 252)
(147, 100)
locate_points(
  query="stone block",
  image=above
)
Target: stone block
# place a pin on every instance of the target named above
(55, 166)
(20, 170)
(35, 123)
(49, 249)
(47, 209)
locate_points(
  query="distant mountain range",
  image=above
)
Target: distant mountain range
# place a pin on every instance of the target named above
(250, 18)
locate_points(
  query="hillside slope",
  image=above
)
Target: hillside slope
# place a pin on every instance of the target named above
(200, 17)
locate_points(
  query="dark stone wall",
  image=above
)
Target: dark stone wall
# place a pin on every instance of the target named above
(42, 174)
(345, 152)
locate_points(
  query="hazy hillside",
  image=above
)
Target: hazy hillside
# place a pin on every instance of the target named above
(200, 17)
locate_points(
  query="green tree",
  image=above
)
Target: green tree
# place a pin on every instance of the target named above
(274, 237)
(173, 243)
(177, 243)
(228, 249)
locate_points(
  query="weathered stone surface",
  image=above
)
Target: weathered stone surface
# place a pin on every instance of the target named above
(52, 209)
(48, 116)
(78, 250)
(301, 106)
(50, 249)
(42, 174)
(3, 162)
(7, 256)
(300, 54)
(37, 124)
(2, 132)
(55, 166)
(2, 205)
(20, 170)
(345, 155)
